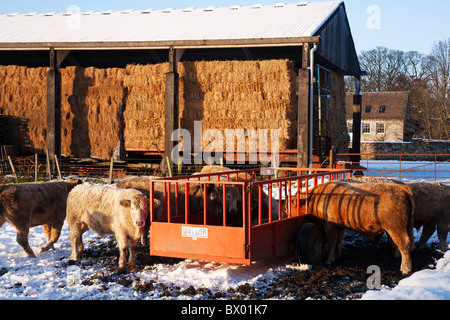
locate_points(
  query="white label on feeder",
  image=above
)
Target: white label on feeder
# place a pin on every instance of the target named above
(194, 233)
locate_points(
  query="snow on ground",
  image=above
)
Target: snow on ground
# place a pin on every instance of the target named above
(50, 276)
(430, 284)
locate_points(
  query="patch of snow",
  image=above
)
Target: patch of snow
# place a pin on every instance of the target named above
(430, 284)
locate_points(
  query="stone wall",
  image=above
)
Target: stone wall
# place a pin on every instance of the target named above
(416, 147)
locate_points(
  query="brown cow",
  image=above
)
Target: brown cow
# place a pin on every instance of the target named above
(369, 208)
(432, 208)
(29, 205)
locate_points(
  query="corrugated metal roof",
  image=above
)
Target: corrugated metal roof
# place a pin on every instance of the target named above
(259, 21)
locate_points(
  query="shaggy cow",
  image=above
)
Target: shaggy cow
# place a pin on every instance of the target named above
(369, 208)
(142, 184)
(107, 210)
(29, 205)
(432, 208)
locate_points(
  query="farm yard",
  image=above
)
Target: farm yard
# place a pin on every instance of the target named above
(52, 275)
(149, 87)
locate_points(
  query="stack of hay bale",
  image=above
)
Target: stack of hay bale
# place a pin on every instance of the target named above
(90, 101)
(23, 101)
(222, 94)
(90, 105)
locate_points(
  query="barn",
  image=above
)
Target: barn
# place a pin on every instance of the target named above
(83, 83)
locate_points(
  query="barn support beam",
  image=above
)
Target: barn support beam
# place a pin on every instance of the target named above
(303, 110)
(54, 107)
(171, 104)
(356, 144)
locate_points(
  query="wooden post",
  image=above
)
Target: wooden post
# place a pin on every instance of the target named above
(35, 167)
(111, 167)
(171, 105)
(12, 167)
(356, 145)
(303, 111)
(53, 108)
(49, 171)
(57, 167)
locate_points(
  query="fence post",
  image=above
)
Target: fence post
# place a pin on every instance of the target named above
(49, 169)
(57, 167)
(169, 167)
(35, 167)
(111, 166)
(12, 167)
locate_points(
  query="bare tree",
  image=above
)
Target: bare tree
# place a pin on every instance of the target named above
(440, 85)
(426, 77)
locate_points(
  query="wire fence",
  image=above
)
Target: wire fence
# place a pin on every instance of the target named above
(405, 167)
(13, 168)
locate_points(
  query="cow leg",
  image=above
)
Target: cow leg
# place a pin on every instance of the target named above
(48, 235)
(132, 244)
(340, 237)
(122, 243)
(76, 240)
(404, 244)
(22, 240)
(427, 231)
(52, 235)
(332, 234)
(442, 230)
(144, 233)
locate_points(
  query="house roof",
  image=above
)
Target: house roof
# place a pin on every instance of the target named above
(395, 103)
(247, 26)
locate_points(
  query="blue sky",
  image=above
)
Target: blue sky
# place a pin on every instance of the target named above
(408, 25)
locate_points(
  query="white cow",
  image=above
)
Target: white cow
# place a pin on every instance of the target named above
(107, 210)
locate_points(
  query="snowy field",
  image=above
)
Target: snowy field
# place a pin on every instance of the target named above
(52, 277)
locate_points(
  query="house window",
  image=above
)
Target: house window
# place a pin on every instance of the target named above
(350, 127)
(366, 128)
(381, 129)
(382, 109)
(368, 109)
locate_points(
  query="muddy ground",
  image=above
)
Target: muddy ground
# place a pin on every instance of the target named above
(345, 279)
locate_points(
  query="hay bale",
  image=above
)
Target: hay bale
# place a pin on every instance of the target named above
(89, 109)
(23, 98)
(91, 100)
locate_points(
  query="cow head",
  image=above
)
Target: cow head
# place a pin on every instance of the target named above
(233, 199)
(295, 204)
(139, 208)
(214, 200)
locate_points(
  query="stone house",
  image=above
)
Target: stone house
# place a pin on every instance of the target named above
(383, 116)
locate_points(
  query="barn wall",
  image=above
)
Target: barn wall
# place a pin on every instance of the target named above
(338, 124)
